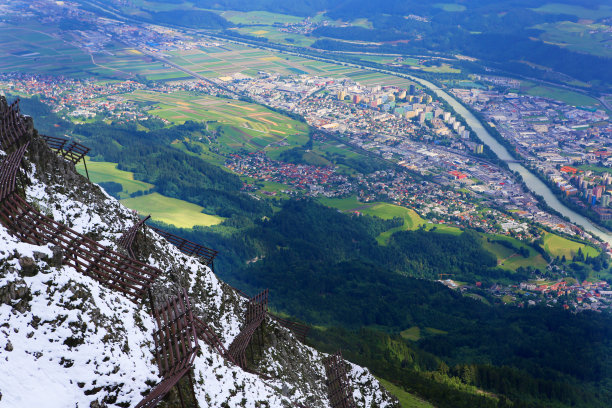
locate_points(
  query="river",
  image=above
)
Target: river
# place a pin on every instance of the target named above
(533, 182)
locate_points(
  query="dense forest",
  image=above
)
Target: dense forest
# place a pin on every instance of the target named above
(325, 268)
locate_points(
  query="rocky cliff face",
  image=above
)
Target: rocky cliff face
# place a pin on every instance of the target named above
(67, 340)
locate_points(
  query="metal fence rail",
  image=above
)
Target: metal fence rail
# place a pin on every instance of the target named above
(176, 346)
(68, 149)
(188, 247)
(118, 272)
(127, 239)
(206, 334)
(298, 329)
(12, 128)
(8, 171)
(255, 317)
(338, 388)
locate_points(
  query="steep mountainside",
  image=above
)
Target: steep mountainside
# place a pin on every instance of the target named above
(67, 339)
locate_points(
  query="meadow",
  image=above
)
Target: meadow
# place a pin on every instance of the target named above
(582, 36)
(100, 172)
(386, 211)
(406, 399)
(556, 245)
(581, 12)
(559, 94)
(171, 210)
(510, 259)
(240, 125)
(180, 213)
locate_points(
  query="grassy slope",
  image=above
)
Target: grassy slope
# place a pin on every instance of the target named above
(171, 211)
(559, 246)
(406, 399)
(104, 171)
(510, 259)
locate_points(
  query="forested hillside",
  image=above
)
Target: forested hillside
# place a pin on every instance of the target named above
(325, 268)
(379, 303)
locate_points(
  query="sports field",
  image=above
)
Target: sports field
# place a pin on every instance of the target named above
(171, 211)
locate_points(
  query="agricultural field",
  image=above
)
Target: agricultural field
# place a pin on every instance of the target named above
(100, 172)
(230, 59)
(556, 245)
(563, 95)
(171, 210)
(259, 17)
(34, 48)
(240, 125)
(33, 45)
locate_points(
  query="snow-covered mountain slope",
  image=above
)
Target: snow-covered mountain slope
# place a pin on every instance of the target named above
(67, 340)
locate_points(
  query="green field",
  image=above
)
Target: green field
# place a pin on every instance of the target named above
(412, 220)
(386, 211)
(406, 399)
(259, 17)
(563, 95)
(171, 210)
(556, 245)
(100, 172)
(510, 259)
(450, 7)
(581, 12)
(583, 36)
(594, 168)
(232, 58)
(240, 125)
(166, 209)
(413, 333)
(342, 204)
